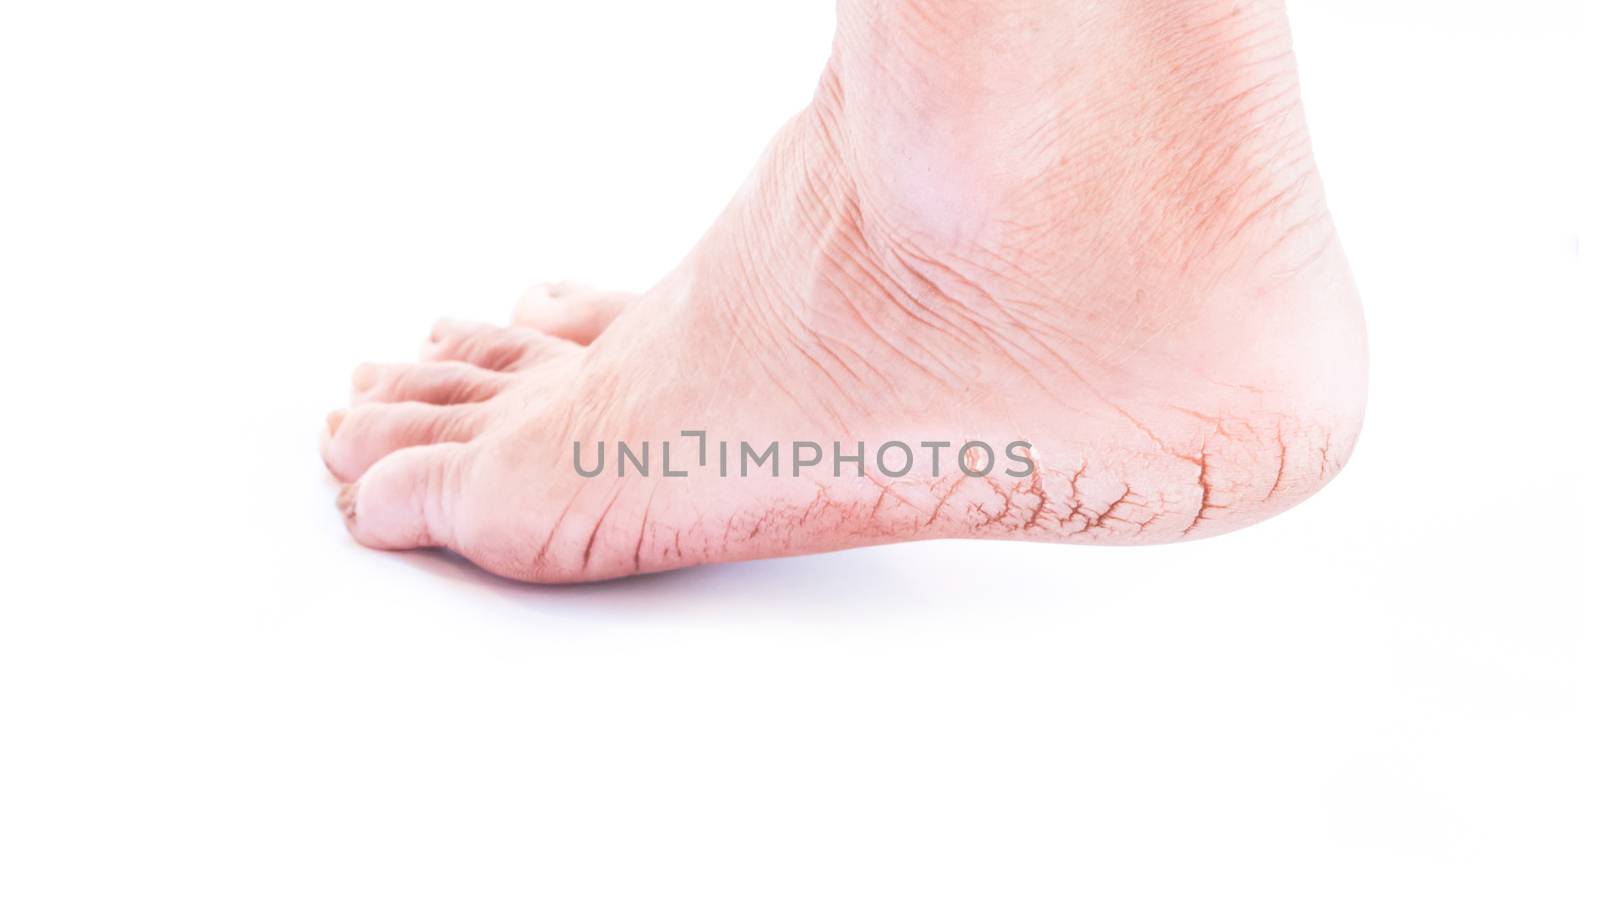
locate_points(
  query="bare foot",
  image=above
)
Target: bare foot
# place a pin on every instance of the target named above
(1088, 236)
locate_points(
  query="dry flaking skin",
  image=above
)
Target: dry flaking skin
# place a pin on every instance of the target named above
(1096, 227)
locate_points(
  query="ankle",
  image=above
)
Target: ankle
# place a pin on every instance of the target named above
(952, 117)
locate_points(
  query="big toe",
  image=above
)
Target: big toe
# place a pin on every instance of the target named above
(407, 500)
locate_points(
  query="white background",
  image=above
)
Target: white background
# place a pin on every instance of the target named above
(209, 696)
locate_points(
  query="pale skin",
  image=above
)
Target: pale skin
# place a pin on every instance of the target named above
(1095, 226)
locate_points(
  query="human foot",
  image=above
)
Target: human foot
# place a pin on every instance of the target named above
(1103, 236)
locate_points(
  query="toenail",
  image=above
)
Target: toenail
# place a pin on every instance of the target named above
(334, 419)
(346, 502)
(365, 376)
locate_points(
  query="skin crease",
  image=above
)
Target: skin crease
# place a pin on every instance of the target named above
(1096, 227)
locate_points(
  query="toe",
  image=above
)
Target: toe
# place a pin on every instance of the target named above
(570, 311)
(358, 438)
(407, 500)
(429, 383)
(499, 348)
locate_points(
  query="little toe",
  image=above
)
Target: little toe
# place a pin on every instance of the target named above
(360, 437)
(571, 311)
(445, 382)
(499, 348)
